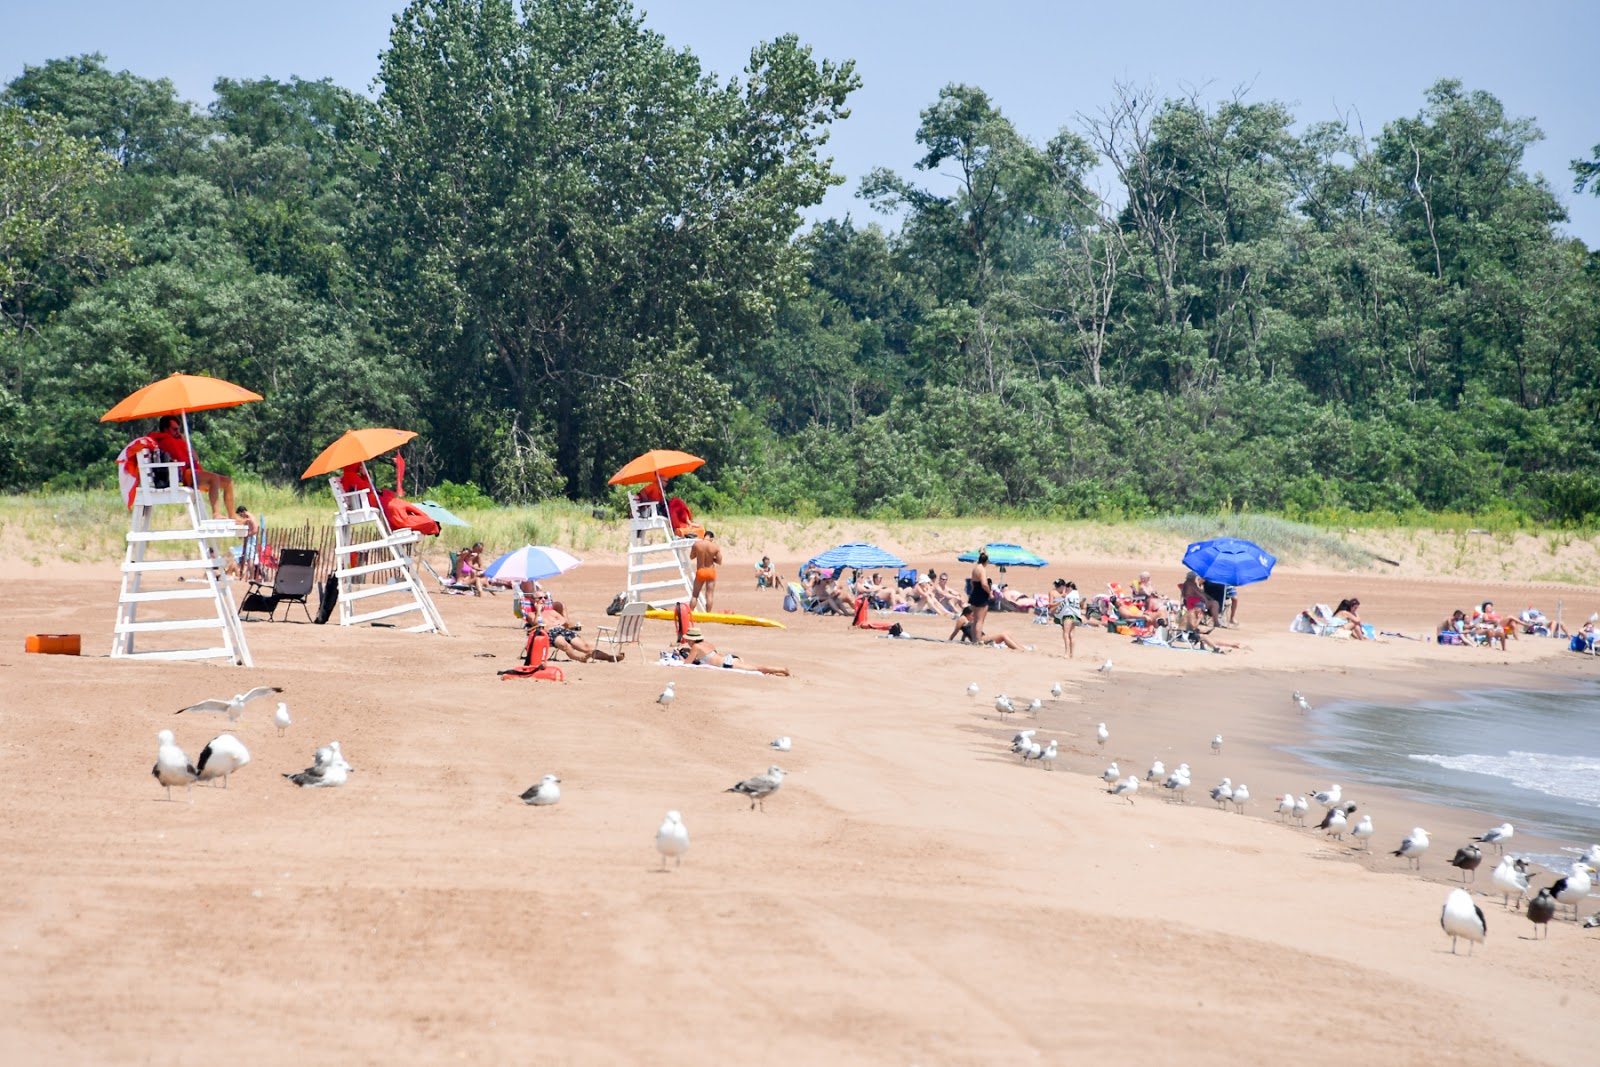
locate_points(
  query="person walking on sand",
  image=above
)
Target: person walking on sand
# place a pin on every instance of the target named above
(706, 555)
(979, 594)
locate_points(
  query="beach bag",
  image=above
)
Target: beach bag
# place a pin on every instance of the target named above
(615, 607)
(789, 602)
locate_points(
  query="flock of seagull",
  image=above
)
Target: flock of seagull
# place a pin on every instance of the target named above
(1460, 918)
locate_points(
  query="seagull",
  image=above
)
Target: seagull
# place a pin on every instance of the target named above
(1111, 773)
(1591, 856)
(667, 695)
(1156, 772)
(1222, 792)
(172, 765)
(1337, 817)
(1102, 735)
(1216, 745)
(1541, 909)
(1462, 918)
(1034, 705)
(972, 690)
(1498, 837)
(1105, 668)
(547, 791)
(760, 787)
(1178, 782)
(281, 718)
(1022, 740)
(1511, 876)
(1049, 756)
(1055, 691)
(1285, 807)
(1301, 702)
(1030, 750)
(224, 755)
(1301, 809)
(1573, 888)
(1592, 921)
(232, 707)
(1330, 797)
(1466, 859)
(782, 744)
(672, 838)
(337, 756)
(1363, 831)
(1241, 796)
(1125, 788)
(1412, 848)
(326, 771)
(1002, 704)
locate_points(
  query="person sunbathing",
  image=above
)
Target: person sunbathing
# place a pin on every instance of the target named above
(967, 630)
(1453, 630)
(701, 653)
(948, 596)
(563, 636)
(1347, 610)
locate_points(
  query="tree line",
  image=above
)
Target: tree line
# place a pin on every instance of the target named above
(551, 240)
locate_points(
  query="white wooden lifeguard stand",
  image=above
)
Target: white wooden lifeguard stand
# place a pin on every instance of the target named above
(368, 549)
(659, 571)
(203, 534)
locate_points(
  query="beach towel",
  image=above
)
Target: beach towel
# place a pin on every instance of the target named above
(669, 660)
(128, 466)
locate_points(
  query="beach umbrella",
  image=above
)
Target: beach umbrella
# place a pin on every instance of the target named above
(179, 394)
(440, 514)
(1229, 561)
(533, 562)
(1003, 555)
(356, 446)
(655, 466)
(857, 555)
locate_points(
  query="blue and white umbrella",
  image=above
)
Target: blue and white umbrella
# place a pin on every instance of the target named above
(1230, 561)
(857, 555)
(533, 562)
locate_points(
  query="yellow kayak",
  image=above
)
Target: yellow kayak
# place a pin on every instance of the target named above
(716, 616)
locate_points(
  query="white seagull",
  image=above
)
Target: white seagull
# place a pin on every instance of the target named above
(1339, 817)
(1022, 740)
(326, 771)
(336, 756)
(1301, 702)
(1591, 856)
(1034, 705)
(667, 695)
(1178, 782)
(172, 765)
(232, 707)
(1049, 756)
(1002, 704)
(1157, 771)
(1573, 888)
(547, 791)
(1222, 792)
(1363, 831)
(1111, 773)
(1030, 750)
(1241, 796)
(1285, 807)
(1413, 847)
(224, 755)
(672, 839)
(1462, 918)
(782, 744)
(1511, 876)
(1125, 788)
(972, 689)
(1055, 691)
(1105, 668)
(281, 718)
(1301, 809)
(1330, 797)
(760, 787)
(1102, 735)
(1216, 745)
(1498, 837)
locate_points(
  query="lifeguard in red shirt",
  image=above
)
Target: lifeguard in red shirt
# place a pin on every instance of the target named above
(170, 439)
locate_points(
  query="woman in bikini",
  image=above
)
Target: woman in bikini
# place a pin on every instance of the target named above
(697, 651)
(1066, 607)
(980, 594)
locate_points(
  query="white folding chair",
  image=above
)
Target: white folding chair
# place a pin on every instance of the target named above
(627, 631)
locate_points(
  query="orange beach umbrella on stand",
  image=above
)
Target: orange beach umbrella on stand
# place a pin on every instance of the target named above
(179, 394)
(356, 446)
(654, 465)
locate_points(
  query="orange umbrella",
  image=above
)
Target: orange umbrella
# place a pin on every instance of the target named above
(656, 464)
(179, 394)
(356, 446)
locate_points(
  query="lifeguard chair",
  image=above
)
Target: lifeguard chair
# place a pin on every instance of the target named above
(159, 485)
(659, 571)
(373, 561)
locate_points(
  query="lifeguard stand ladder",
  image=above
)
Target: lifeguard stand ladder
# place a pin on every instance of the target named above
(385, 556)
(204, 534)
(658, 561)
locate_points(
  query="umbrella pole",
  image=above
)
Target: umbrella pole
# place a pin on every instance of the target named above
(194, 464)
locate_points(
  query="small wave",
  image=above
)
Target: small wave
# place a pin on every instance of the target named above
(1569, 777)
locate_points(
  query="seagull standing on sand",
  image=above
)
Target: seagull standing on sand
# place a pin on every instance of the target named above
(1102, 735)
(1462, 918)
(1156, 772)
(1330, 797)
(1363, 831)
(672, 839)
(1285, 807)
(224, 755)
(281, 719)
(667, 695)
(1511, 876)
(1030, 750)
(1049, 756)
(782, 744)
(336, 756)
(1301, 810)
(1498, 837)
(1241, 796)
(1216, 745)
(1541, 909)
(1111, 773)
(1002, 704)
(232, 707)
(546, 791)
(1301, 702)
(1178, 782)
(760, 787)
(1573, 888)
(1055, 691)
(1105, 668)
(1034, 705)
(1413, 847)
(1021, 741)
(1125, 788)
(972, 690)
(172, 765)
(1466, 859)
(1222, 792)
(1335, 822)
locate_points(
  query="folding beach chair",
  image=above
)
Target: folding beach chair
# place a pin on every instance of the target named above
(627, 631)
(292, 583)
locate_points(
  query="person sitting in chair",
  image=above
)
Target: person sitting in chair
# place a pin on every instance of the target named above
(170, 439)
(767, 576)
(469, 568)
(562, 635)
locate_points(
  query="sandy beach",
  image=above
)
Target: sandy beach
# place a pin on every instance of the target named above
(912, 895)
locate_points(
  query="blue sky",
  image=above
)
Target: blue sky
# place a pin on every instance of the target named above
(1041, 62)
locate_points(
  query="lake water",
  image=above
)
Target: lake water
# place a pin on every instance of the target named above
(1524, 757)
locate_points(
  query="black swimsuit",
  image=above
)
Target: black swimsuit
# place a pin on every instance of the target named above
(979, 597)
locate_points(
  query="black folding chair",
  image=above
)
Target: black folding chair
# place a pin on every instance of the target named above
(292, 583)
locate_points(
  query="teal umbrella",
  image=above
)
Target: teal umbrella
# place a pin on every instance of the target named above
(1004, 555)
(440, 514)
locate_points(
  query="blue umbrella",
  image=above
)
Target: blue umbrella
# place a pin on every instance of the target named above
(1003, 555)
(531, 561)
(856, 555)
(439, 513)
(1229, 561)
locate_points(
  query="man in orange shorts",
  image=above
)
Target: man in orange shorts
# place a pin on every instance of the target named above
(706, 556)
